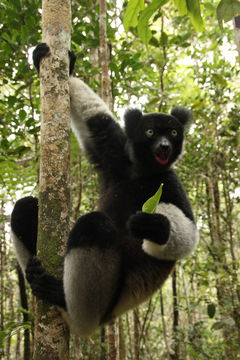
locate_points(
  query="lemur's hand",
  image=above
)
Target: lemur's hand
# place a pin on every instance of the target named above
(43, 49)
(154, 227)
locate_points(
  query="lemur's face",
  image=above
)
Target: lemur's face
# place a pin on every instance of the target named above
(163, 137)
(156, 140)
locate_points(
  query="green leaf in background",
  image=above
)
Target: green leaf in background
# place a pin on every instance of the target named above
(151, 204)
(227, 9)
(211, 310)
(194, 12)
(181, 5)
(143, 24)
(22, 114)
(219, 79)
(131, 14)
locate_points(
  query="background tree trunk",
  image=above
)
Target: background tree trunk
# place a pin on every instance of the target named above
(104, 55)
(236, 26)
(24, 304)
(106, 96)
(54, 191)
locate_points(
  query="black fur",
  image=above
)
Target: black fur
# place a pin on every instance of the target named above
(131, 164)
(106, 150)
(143, 225)
(94, 230)
(182, 114)
(44, 286)
(43, 49)
(24, 222)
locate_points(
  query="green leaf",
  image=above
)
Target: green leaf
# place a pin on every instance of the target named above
(211, 310)
(151, 204)
(30, 122)
(181, 6)
(131, 14)
(163, 39)
(3, 335)
(144, 32)
(12, 100)
(218, 325)
(22, 114)
(194, 12)
(227, 9)
(20, 150)
(219, 79)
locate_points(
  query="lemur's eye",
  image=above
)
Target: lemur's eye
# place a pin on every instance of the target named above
(174, 132)
(149, 132)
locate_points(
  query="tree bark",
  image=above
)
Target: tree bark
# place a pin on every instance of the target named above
(112, 350)
(121, 340)
(164, 327)
(225, 292)
(104, 55)
(136, 334)
(175, 356)
(51, 334)
(236, 26)
(24, 304)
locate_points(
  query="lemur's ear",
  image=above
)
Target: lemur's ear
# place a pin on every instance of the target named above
(132, 119)
(182, 114)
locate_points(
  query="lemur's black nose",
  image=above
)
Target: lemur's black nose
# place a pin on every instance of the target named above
(163, 146)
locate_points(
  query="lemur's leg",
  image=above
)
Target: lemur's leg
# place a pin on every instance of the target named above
(92, 272)
(24, 223)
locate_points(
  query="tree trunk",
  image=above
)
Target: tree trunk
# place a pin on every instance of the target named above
(112, 350)
(223, 282)
(104, 55)
(106, 96)
(51, 334)
(121, 341)
(24, 304)
(102, 339)
(136, 334)
(164, 327)
(236, 25)
(175, 356)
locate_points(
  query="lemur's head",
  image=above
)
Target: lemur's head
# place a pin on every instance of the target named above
(155, 140)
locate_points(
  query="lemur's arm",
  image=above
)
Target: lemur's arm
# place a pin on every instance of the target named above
(182, 239)
(171, 233)
(92, 122)
(96, 130)
(167, 235)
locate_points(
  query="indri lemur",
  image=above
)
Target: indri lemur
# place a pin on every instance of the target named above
(118, 255)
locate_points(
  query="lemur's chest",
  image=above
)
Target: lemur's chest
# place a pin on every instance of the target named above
(121, 199)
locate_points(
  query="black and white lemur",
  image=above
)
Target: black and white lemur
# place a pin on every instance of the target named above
(118, 255)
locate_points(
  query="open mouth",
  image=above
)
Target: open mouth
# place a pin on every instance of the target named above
(162, 158)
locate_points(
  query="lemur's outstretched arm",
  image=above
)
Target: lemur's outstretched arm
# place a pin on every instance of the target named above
(92, 122)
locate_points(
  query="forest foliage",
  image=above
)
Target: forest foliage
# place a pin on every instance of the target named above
(162, 54)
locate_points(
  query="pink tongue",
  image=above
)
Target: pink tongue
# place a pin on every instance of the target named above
(163, 160)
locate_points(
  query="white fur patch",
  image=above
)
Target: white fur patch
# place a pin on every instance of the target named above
(89, 281)
(183, 235)
(84, 104)
(21, 252)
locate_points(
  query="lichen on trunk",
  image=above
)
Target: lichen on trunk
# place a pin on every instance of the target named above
(54, 191)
